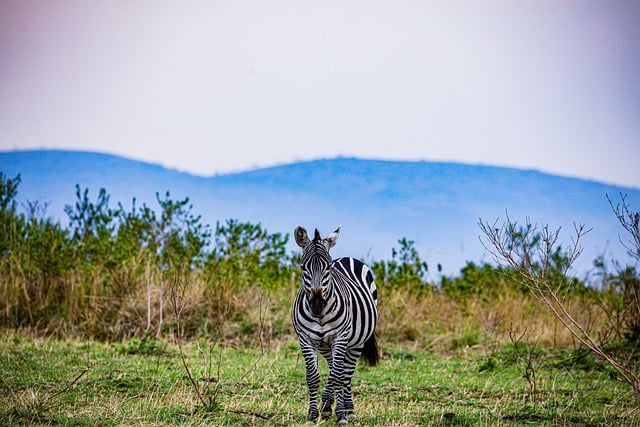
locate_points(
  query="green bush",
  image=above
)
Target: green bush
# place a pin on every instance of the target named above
(247, 255)
(405, 269)
(485, 282)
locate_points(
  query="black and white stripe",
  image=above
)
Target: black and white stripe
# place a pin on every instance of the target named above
(335, 314)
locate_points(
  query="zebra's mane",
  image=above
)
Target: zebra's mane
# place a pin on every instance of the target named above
(317, 248)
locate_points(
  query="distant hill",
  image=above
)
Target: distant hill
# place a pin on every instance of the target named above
(377, 202)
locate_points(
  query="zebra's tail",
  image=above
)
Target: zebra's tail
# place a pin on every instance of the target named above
(370, 351)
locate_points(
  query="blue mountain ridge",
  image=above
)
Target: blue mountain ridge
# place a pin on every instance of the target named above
(377, 202)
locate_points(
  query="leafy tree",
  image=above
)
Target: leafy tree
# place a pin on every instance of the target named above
(180, 238)
(247, 254)
(135, 232)
(176, 240)
(92, 227)
(405, 269)
(9, 219)
(36, 257)
(486, 281)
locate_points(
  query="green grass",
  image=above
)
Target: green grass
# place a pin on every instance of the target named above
(143, 382)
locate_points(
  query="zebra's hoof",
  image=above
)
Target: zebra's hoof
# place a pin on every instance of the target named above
(326, 415)
(351, 417)
(342, 422)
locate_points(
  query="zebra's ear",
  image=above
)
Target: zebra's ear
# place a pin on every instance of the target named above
(331, 239)
(301, 236)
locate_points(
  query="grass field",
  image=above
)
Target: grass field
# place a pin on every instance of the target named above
(144, 382)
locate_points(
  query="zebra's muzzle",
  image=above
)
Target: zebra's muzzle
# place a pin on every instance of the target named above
(317, 303)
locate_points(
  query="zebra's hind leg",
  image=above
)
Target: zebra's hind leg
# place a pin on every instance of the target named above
(342, 419)
(348, 404)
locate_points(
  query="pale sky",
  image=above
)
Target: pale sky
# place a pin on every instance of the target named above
(218, 86)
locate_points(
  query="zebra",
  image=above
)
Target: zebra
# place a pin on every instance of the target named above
(335, 314)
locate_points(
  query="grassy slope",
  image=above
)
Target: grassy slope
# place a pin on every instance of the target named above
(46, 381)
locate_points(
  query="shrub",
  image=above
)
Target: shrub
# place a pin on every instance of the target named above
(405, 269)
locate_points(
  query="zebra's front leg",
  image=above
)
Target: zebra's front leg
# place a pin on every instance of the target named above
(327, 401)
(335, 382)
(313, 379)
(328, 396)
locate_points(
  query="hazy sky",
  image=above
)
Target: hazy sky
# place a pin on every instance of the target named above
(218, 86)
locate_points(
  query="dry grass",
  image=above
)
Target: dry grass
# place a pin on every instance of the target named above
(432, 320)
(138, 305)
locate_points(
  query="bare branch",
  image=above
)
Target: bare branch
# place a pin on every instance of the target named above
(532, 254)
(67, 387)
(630, 221)
(176, 297)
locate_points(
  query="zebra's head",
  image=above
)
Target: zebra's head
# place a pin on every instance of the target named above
(316, 266)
